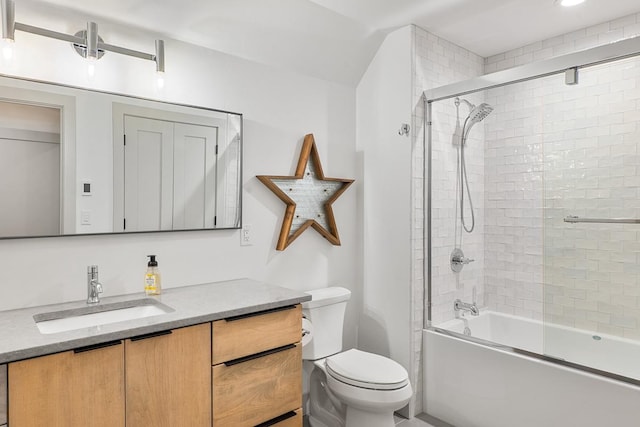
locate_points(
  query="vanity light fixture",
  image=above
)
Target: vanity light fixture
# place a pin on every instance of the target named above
(87, 43)
(7, 8)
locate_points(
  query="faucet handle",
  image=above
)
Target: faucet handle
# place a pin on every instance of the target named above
(474, 294)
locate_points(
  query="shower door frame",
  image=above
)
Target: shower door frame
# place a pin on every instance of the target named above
(622, 49)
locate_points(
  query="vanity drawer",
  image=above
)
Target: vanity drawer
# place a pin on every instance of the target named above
(245, 335)
(255, 389)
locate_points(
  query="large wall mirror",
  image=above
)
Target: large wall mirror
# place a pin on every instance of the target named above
(76, 161)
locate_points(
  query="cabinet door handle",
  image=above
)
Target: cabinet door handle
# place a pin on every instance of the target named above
(259, 313)
(151, 335)
(278, 419)
(97, 346)
(259, 355)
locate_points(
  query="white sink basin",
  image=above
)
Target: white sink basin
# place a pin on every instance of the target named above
(96, 315)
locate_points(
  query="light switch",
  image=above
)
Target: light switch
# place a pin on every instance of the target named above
(85, 218)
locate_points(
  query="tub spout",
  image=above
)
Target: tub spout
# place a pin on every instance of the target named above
(472, 308)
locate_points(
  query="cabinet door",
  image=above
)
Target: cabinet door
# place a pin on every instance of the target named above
(83, 387)
(258, 388)
(168, 378)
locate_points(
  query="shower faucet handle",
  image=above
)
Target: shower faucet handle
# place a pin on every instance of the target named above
(458, 260)
(462, 260)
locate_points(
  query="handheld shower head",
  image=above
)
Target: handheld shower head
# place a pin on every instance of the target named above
(476, 115)
(479, 113)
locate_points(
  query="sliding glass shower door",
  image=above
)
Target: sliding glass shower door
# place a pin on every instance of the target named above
(591, 154)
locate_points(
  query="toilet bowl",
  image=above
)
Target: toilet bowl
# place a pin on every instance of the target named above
(349, 388)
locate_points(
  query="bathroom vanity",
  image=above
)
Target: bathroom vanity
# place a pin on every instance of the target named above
(229, 354)
(3, 395)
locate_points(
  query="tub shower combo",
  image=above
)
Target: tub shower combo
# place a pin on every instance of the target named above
(533, 239)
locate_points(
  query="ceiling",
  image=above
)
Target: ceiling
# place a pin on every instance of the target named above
(336, 39)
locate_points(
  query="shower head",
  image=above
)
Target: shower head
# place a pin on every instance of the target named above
(476, 115)
(479, 113)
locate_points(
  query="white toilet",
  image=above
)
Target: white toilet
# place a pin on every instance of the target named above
(351, 388)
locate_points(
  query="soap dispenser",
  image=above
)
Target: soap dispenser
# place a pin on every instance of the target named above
(152, 284)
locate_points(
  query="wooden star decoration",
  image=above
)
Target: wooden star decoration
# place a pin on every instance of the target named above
(308, 195)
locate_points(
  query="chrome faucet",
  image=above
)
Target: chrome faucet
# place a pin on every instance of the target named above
(472, 308)
(94, 287)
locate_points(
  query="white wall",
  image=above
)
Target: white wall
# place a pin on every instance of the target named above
(279, 108)
(383, 104)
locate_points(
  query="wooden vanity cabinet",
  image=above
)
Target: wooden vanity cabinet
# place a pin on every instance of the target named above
(237, 372)
(82, 387)
(257, 372)
(168, 378)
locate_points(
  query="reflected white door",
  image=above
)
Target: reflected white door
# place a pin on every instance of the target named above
(31, 197)
(148, 169)
(170, 175)
(194, 203)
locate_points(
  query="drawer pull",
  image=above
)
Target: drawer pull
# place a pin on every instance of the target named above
(278, 419)
(259, 355)
(151, 335)
(97, 346)
(259, 313)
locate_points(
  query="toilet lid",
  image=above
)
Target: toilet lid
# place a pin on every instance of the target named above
(367, 370)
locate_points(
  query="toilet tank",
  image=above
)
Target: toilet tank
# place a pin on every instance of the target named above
(326, 313)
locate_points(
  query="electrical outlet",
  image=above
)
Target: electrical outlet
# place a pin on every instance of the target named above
(246, 236)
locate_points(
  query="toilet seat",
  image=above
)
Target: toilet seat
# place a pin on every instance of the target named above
(367, 370)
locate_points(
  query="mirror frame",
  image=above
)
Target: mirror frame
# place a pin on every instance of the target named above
(75, 142)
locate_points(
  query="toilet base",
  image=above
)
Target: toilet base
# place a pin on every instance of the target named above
(315, 422)
(336, 404)
(357, 417)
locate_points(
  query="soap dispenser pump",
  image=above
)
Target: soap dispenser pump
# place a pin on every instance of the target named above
(152, 284)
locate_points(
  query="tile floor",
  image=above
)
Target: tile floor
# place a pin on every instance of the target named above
(419, 421)
(416, 422)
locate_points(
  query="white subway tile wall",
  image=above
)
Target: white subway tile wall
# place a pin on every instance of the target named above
(597, 35)
(555, 150)
(438, 62)
(514, 197)
(592, 169)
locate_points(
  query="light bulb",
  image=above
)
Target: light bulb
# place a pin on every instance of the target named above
(568, 3)
(7, 49)
(160, 79)
(91, 68)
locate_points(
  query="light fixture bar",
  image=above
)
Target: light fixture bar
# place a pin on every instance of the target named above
(124, 51)
(49, 33)
(91, 42)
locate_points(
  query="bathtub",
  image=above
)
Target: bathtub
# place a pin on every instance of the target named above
(469, 383)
